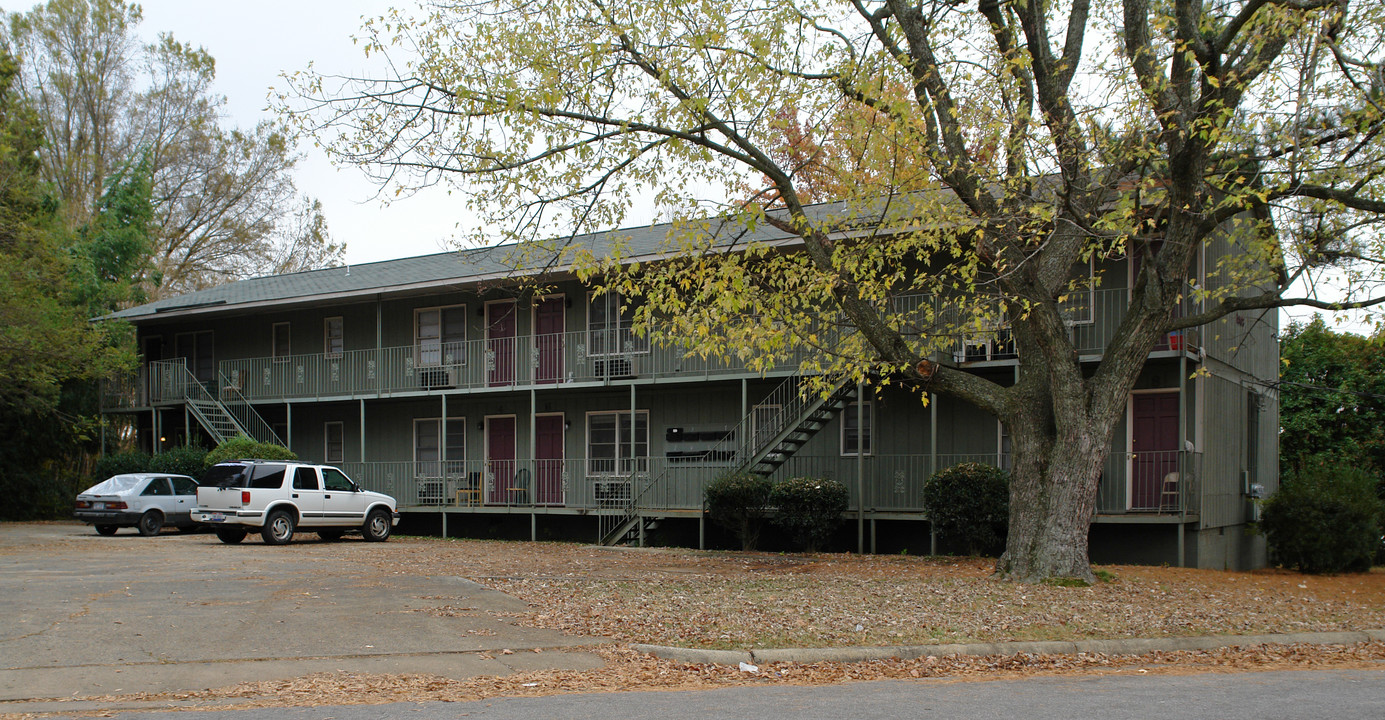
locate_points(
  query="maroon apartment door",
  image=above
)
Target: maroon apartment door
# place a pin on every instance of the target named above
(548, 459)
(500, 342)
(500, 461)
(548, 336)
(1153, 446)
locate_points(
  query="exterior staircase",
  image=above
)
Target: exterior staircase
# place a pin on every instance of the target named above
(223, 418)
(762, 441)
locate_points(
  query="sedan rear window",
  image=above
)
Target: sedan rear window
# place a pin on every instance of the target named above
(114, 485)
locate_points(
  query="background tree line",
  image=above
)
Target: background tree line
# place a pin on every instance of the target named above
(120, 181)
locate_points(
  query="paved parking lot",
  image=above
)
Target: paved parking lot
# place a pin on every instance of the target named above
(83, 615)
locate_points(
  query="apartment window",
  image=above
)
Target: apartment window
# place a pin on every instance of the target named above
(429, 442)
(334, 336)
(615, 445)
(856, 429)
(195, 349)
(439, 333)
(1077, 304)
(609, 326)
(335, 433)
(280, 341)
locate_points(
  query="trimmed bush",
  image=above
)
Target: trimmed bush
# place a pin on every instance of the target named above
(810, 509)
(243, 448)
(739, 503)
(969, 505)
(1324, 520)
(187, 460)
(132, 461)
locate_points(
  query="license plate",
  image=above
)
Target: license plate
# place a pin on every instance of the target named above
(216, 517)
(98, 506)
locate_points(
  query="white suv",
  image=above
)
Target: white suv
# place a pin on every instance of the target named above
(280, 497)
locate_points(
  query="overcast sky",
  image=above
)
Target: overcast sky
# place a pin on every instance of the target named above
(254, 41)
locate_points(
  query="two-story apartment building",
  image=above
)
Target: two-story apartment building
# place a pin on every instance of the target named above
(468, 395)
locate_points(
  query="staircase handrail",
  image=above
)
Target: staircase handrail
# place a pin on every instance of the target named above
(793, 400)
(239, 408)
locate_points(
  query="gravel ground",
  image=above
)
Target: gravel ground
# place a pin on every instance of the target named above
(737, 600)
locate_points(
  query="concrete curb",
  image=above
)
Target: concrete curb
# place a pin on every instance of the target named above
(1133, 646)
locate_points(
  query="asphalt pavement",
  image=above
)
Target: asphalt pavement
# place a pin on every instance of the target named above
(1295, 695)
(83, 615)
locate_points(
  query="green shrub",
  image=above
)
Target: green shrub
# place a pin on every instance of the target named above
(131, 461)
(969, 505)
(810, 509)
(1324, 520)
(187, 460)
(739, 503)
(243, 448)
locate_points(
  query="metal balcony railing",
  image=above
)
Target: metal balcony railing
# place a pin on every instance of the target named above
(967, 334)
(891, 483)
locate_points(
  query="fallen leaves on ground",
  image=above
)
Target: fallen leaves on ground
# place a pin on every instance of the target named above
(628, 670)
(727, 600)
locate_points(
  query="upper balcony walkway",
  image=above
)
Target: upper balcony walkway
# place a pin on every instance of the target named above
(583, 358)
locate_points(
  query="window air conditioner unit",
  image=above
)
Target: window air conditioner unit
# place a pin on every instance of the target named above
(613, 367)
(437, 377)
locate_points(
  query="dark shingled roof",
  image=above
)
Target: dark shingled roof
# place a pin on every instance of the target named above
(440, 269)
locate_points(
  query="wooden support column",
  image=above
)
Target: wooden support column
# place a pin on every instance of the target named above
(932, 465)
(860, 469)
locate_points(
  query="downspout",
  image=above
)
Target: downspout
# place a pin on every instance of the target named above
(533, 463)
(1182, 452)
(634, 473)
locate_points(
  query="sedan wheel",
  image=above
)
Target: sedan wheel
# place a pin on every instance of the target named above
(150, 523)
(106, 530)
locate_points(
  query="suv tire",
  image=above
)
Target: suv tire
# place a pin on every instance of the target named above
(377, 526)
(230, 535)
(278, 528)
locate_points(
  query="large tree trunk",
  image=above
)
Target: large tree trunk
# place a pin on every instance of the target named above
(1061, 424)
(1052, 498)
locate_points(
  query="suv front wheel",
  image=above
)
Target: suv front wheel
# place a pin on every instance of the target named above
(278, 528)
(377, 526)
